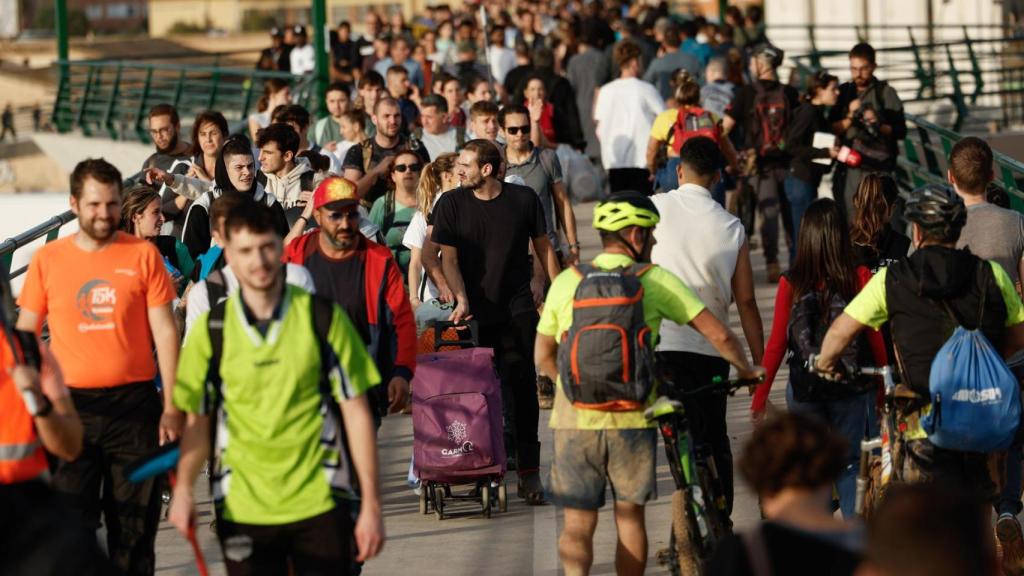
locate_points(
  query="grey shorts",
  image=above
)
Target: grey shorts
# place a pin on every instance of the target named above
(585, 458)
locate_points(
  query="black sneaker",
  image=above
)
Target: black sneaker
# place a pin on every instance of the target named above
(545, 392)
(531, 489)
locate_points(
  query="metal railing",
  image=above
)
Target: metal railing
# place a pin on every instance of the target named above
(49, 229)
(973, 85)
(112, 98)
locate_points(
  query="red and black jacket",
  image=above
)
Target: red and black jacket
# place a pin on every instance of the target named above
(392, 335)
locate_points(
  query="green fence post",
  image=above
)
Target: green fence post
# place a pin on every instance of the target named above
(140, 113)
(979, 81)
(179, 88)
(931, 160)
(84, 102)
(214, 83)
(923, 78)
(815, 55)
(108, 114)
(958, 95)
(322, 47)
(5, 262)
(247, 99)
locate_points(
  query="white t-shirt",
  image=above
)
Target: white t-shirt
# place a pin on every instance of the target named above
(303, 59)
(438, 144)
(502, 60)
(698, 241)
(624, 112)
(199, 298)
(415, 236)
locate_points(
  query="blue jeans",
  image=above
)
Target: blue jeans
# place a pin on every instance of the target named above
(667, 179)
(800, 194)
(848, 418)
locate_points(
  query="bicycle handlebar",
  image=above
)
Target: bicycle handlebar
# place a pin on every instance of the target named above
(884, 372)
(718, 384)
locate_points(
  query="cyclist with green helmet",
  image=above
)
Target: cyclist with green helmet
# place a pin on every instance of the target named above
(603, 319)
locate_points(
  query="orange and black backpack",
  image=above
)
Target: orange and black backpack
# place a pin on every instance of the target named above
(606, 357)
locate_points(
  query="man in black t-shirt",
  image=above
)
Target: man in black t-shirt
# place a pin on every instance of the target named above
(370, 175)
(762, 111)
(485, 229)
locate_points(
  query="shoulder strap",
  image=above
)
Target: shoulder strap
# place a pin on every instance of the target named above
(215, 325)
(367, 148)
(389, 211)
(216, 289)
(214, 384)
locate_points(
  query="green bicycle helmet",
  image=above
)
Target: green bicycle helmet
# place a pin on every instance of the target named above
(624, 209)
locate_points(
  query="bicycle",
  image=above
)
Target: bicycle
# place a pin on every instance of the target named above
(700, 519)
(889, 436)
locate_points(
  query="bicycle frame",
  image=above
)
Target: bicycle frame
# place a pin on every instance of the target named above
(682, 459)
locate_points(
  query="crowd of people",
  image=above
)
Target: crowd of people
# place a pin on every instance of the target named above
(257, 295)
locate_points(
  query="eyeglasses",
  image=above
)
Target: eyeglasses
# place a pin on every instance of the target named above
(513, 130)
(160, 131)
(403, 167)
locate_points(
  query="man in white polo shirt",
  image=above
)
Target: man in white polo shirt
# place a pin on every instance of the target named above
(706, 247)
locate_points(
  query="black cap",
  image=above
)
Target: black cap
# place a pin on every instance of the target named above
(276, 32)
(299, 30)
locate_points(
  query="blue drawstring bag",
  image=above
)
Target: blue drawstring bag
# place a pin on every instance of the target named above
(975, 398)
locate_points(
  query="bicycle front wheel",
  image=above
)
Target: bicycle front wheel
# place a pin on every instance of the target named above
(685, 537)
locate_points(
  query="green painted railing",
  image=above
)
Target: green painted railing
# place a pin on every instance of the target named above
(48, 230)
(112, 98)
(981, 79)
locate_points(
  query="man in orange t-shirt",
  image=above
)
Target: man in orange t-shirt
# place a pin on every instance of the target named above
(107, 298)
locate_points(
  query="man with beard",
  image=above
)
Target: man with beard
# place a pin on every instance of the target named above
(868, 117)
(369, 163)
(104, 291)
(362, 277)
(486, 228)
(539, 168)
(164, 129)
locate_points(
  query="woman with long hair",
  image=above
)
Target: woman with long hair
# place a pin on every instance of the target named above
(542, 112)
(823, 267)
(276, 92)
(663, 150)
(142, 217)
(437, 178)
(875, 243)
(805, 170)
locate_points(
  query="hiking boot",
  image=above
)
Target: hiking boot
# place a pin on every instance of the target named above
(531, 488)
(1011, 540)
(774, 272)
(545, 392)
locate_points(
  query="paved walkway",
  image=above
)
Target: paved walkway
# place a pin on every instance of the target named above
(522, 541)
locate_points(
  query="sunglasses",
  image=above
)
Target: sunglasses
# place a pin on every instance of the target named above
(513, 130)
(404, 167)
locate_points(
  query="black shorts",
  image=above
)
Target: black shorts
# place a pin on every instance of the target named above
(321, 545)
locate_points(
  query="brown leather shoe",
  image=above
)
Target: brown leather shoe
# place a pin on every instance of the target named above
(774, 272)
(1011, 541)
(545, 392)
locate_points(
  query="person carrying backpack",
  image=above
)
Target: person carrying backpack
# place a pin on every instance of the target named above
(762, 110)
(275, 382)
(936, 300)
(616, 302)
(819, 284)
(675, 126)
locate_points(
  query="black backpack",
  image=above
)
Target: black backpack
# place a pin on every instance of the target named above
(809, 320)
(606, 357)
(771, 117)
